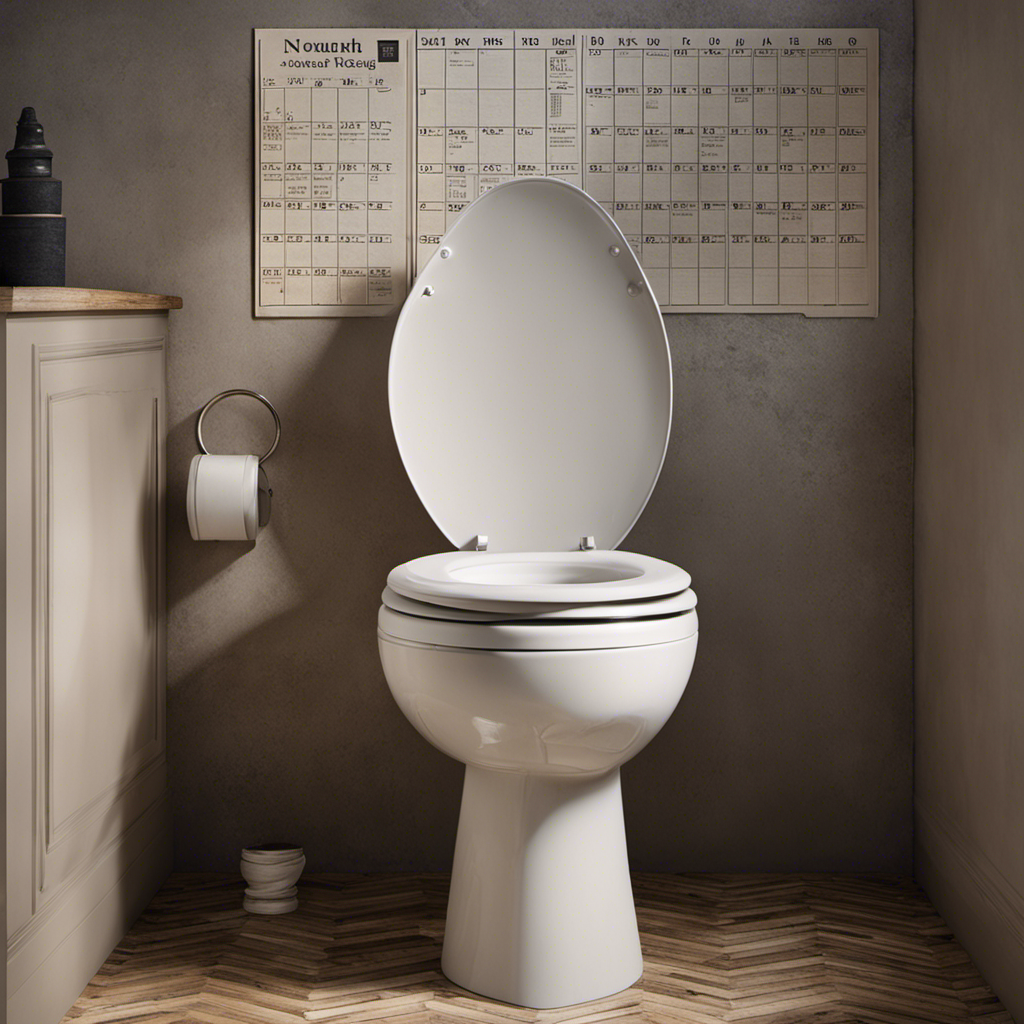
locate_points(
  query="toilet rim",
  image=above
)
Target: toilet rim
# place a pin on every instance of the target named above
(508, 612)
(508, 580)
(396, 627)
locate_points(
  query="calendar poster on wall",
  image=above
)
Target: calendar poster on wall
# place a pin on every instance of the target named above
(741, 165)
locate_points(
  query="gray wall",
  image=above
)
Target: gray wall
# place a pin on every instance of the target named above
(786, 492)
(970, 479)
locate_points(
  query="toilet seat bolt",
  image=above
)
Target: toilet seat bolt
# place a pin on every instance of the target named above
(587, 544)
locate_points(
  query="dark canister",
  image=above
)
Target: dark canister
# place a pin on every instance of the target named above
(32, 228)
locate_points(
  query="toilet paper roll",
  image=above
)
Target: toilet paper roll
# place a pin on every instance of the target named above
(223, 497)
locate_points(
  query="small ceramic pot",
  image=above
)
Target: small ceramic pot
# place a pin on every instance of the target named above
(271, 872)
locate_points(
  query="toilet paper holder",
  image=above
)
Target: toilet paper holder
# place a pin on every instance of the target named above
(229, 495)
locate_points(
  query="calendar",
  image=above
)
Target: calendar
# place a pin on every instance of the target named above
(740, 164)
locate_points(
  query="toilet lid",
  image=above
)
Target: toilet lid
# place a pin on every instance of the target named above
(530, 381)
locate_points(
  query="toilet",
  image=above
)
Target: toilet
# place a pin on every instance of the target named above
(530, 388)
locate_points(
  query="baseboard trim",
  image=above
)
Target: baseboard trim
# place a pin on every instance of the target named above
(43, 997)
(983, 908)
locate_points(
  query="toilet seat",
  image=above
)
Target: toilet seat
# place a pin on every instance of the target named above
(516, 581)
(643, 609)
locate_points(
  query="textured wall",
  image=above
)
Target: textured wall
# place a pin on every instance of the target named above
(786, 492)
(969, 369)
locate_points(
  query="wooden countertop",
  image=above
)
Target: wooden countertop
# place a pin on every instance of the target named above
(81, 300)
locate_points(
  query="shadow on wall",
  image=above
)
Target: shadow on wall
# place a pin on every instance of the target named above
(281, 725)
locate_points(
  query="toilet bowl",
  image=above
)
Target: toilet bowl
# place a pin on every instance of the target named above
(530, 391)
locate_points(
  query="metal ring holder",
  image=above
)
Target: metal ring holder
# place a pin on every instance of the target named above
(228, 394)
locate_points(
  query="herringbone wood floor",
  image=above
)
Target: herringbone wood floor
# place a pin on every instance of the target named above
(780, 949)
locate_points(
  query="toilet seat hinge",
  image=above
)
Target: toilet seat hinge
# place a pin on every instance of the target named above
(480, 544)
(587, 544)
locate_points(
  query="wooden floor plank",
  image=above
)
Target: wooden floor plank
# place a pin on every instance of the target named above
(764, 949)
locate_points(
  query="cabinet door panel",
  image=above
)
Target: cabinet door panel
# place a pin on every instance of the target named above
(102, 466)
(98, 513)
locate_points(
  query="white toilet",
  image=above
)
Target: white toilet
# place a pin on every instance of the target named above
(531, 397)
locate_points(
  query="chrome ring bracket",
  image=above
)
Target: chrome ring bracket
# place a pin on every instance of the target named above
(249, 394)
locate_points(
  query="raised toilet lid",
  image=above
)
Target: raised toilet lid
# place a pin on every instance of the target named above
(530, 381)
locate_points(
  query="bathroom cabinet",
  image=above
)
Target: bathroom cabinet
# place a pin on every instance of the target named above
(87, 821)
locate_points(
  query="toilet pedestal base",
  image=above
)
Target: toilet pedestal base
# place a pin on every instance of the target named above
(540, 912)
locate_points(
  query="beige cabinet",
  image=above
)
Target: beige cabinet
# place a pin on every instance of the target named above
(88, 835)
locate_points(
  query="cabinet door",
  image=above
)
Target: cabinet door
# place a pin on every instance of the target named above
(86, 722)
